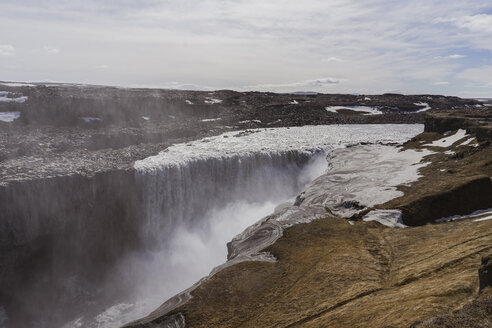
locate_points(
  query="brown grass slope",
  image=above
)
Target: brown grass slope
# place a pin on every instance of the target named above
(332, 274)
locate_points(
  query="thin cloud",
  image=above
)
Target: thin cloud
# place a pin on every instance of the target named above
(51, 50)
(454, 56)
(7, 50)
(481, 76)
(332, 59)
(320, 85)
(481, 23)
(186, 86)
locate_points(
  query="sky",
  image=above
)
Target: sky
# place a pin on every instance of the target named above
(330, 46)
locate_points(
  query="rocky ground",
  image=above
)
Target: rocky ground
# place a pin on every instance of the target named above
(77, 129)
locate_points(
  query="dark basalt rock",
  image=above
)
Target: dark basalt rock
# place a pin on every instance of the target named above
(352, 204)
(472, 194)
(476, 121)
(75, 214)
(485, 272)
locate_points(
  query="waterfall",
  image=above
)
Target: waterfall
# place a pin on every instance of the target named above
(180, 185)
(130, 240)
(181, 194)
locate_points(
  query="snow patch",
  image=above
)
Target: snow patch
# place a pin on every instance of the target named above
(4, 97)
(468, 216)
(249, 121)
(189, 102)
(146, 118)
(14, 84)
(90, 119)
(368, 110)
(389, 218)
(483, 219)
(448, 141)
(422, 104)
(211, 119)
(9, 116)
(211, 101)
(468, 142)
(294, 102)
(364, 176)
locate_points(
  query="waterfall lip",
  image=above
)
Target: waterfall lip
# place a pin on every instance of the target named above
(305, 138)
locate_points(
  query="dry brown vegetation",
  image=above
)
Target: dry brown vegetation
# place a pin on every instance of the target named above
(333, 274)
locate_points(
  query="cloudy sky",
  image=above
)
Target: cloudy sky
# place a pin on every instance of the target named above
(370, 46)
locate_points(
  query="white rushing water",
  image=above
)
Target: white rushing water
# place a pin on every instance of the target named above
(197, 196)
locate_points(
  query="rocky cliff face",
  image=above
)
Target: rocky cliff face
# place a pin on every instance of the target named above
(59, 236)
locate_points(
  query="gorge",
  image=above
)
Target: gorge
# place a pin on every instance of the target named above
(187, 202)
(103, 220)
